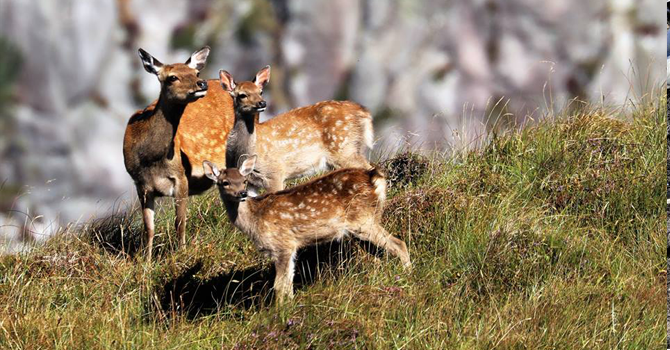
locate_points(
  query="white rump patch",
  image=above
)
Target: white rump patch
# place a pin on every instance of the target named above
(368, 133)
(380, 188)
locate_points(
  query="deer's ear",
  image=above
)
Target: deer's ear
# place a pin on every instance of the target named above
(248, 165)
(226, 80)
(262, 77)
(198, 58)
(211, 171)
(151, 64)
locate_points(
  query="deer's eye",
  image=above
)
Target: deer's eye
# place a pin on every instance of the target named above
(241, 96)
(225, 183)
(172, 78)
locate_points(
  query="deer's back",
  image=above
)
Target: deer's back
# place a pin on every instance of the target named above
(323, 115)
(304, 138)
(349, 191)
(204, 127)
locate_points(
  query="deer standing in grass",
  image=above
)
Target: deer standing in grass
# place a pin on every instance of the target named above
(297, 143)
(163, 141)
(327, 208)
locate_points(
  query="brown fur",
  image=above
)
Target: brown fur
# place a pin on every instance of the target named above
(202, 131)
(301, 141)
(327, 208)
(163, 141)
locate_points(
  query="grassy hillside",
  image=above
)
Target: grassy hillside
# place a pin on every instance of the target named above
(550, 237)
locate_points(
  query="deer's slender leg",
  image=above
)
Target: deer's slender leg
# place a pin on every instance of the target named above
(181, 203)
(376, 234)
(147, 203)
(355, 160)
(284, 266)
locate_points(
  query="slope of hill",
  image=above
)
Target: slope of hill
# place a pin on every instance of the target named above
(548, 237)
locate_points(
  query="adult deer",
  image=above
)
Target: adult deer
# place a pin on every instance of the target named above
(297, 143)
(188, 123)
(343, 201)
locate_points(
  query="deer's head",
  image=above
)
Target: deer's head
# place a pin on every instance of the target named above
(247, 95)
(232, 182)
(180, 82)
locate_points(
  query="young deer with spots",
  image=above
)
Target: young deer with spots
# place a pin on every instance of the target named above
(343, 201)
(163, 141)
(297, 143)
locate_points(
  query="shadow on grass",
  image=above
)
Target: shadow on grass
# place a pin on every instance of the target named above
(192, 296)
(250, 288)
(123, 232)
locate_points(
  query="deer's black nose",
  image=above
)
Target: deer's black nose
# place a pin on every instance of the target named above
(262, 104)
(243, 194)
(202, 84)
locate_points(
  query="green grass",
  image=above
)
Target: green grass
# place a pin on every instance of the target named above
(549, 237)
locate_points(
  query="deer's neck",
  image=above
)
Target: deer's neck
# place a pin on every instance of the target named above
(241, 215)
(242, 138)
(159, 142)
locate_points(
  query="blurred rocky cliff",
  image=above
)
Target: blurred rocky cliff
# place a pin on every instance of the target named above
(429, 70)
